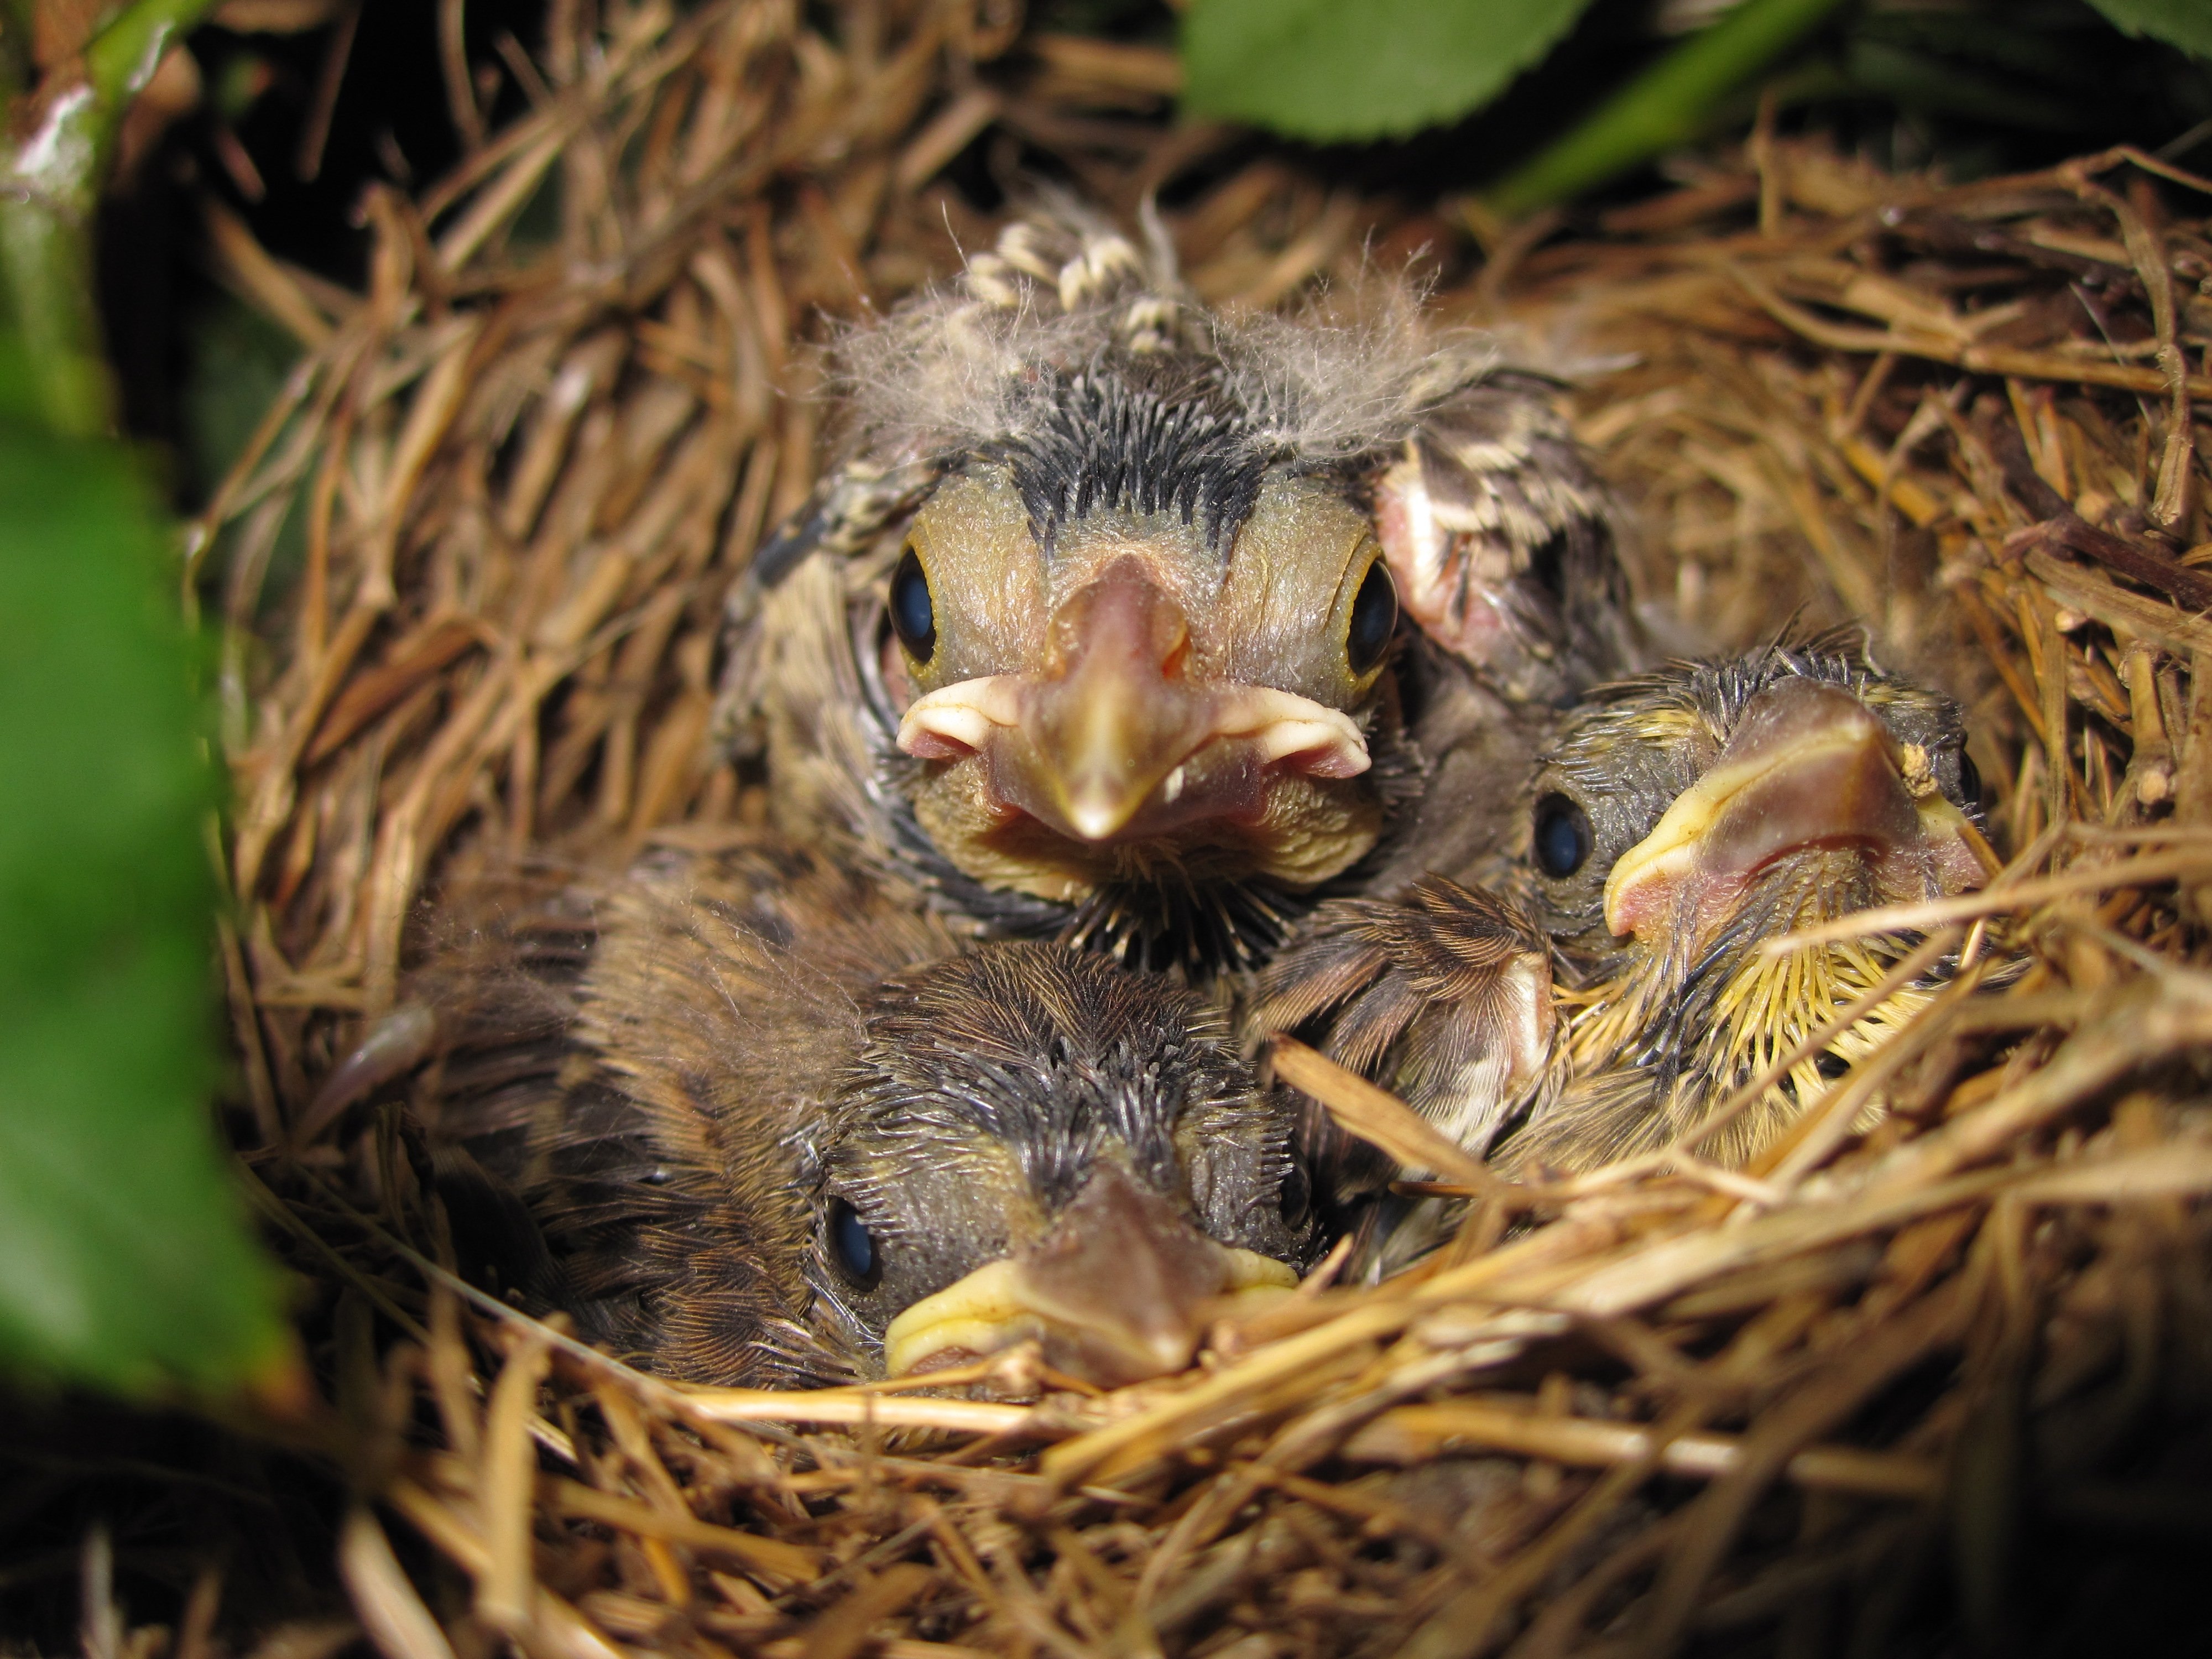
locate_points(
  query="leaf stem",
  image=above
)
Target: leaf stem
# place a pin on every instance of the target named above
(1665, 107)
(63, 139)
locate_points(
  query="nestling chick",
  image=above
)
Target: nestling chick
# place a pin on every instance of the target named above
(1683, 820)
(775, 1131)
(1687, 818)
(1096, 630)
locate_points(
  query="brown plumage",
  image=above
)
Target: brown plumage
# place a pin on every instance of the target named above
(1445, 998)
(1096, 631)
(770, 1127)
(1681, 821)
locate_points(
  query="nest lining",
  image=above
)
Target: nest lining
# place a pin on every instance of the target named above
(1693, 1406)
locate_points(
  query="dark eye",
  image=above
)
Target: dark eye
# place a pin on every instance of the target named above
(913, 618)
(853, 1247)
(1374, 619)
(1970, 781)
(1830, 1065)
(1563, 837)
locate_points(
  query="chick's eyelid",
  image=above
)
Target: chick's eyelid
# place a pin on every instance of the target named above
(1364, 555)
(851, 1199)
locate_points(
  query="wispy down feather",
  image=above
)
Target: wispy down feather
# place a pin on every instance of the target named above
(982, 359)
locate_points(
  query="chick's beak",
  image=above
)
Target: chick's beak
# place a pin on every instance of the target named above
(1810, 766)
(1117, 737)
(1117, 1290)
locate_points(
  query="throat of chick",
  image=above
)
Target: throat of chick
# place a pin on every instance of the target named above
(1698, 1019)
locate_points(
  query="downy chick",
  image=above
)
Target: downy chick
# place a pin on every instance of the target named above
(1684, 819)
(1127, 623)
(772, 1129)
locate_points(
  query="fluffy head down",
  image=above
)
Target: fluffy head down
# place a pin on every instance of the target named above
(1101, 628)
(1067, 312)
(991, 1090)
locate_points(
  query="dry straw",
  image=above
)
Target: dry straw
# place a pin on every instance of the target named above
(472, 565)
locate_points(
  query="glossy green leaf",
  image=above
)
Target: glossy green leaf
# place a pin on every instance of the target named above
(1336, 69)
(125, 1258)
(2184, 23)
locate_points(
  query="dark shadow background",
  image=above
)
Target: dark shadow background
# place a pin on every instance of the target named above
(1974, 86)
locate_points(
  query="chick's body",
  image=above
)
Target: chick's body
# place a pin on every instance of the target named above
(772, 1128)
(1682, 822)
(1096, 631)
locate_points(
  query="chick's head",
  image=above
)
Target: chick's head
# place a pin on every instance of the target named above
(1687, 818)
(1094, 628)
(1033, 1144)
(1133, 636)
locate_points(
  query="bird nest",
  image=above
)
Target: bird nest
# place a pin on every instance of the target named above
(1947, 1378)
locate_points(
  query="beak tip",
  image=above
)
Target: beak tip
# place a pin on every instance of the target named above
(1642, 885)
(1094, 823)
(1097, 811)
(1170, 1356)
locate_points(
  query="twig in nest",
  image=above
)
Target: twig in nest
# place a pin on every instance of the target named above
(1409, 1434)
(2150, 871)
(1377, 1117)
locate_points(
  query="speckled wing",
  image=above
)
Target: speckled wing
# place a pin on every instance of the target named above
(1503, 540)
(1445, 998)
(489, 1012)
(853, 508)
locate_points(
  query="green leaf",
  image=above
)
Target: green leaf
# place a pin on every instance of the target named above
(124, 1260)
(2184, 23)
(1331, 70)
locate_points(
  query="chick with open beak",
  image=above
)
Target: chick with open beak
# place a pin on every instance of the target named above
(1616, 990)
(772, 1128)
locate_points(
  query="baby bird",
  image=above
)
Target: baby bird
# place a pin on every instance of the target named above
(1128, 623)
(773, 1130)
(1682, 820)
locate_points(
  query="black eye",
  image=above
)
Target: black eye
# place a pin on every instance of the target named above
(1374, 619)
(1830, 1065)
(913, 618)
(1970, 780)
(1563, 837)
(853, 1247)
